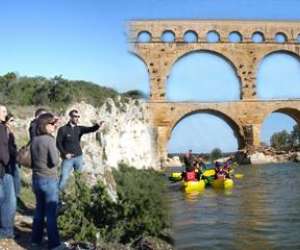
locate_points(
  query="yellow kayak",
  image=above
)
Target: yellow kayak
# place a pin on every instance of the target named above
(177, 176)
(209, 172)
(193, 186)
(222, 183)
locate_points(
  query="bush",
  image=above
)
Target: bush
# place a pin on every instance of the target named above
(141, 208)
(142, 202)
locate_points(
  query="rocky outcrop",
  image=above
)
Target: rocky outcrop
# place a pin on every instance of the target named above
(261, 158)
(265, 158)
(173, 162)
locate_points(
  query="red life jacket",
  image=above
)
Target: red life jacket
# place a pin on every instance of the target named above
(190, 176)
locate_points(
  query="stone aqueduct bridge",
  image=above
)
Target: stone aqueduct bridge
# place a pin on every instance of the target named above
(245, 116)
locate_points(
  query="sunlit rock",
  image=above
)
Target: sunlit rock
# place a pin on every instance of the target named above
(261, 158)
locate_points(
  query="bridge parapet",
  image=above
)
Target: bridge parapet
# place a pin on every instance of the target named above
(268, 29)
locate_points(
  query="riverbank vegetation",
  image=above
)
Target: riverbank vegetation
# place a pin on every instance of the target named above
(138, 216)
(284, 140)
(140, 209)
(56, 92)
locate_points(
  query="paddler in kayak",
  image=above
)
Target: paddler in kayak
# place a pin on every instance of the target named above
(227, 169)
(217, 166)
(220, 172)
(188, 160)
(228, 166)
(191, 174)
(199, 164)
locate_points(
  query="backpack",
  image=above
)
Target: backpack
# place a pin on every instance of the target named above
(24, 156)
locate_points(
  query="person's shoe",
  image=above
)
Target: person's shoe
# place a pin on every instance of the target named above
(36, 246)
(62, 246)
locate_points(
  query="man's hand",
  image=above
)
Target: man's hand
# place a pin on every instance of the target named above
(69, 156)
(100, 123)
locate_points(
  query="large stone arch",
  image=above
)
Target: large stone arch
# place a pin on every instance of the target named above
(185, 53)
(287, 51)
(291, 52)
(234, 125)
(140, 57)
(292, 112)
(211, 51)
(146, 69)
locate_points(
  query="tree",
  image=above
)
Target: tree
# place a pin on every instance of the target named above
(135, 94)
(216, 153)
(281, 140)
(295, 136)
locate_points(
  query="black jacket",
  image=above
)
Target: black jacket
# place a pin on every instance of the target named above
(33, 129)
(4, 150)
(68, 138)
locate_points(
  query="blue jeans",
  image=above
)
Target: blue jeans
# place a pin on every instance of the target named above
(46, 195)
(7, 205)
(67, 166)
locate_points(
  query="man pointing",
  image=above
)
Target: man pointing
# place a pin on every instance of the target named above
(68, 143)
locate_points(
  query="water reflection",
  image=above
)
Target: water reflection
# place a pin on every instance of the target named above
(260, 212)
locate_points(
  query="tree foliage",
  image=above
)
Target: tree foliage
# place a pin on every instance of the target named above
(56, 91)
(215, 154)
(295, 136)
(281, 140)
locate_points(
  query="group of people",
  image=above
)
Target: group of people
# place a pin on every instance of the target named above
(47, 186)
(195, 166)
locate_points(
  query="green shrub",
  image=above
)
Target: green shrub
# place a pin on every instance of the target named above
(142, 201)
(85, 209)
(141, 208)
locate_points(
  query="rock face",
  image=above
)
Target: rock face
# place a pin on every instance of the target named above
(173, 162)
(261, 158)
(125, 137)
(297, 157)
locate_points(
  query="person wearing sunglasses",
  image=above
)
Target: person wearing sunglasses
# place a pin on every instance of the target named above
(45, 160)
(68, 143)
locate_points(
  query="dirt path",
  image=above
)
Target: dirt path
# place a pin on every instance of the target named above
(23, 229)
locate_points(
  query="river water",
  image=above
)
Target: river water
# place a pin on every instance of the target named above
(262, 211)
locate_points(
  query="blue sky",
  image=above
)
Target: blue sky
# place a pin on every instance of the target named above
(86, 40)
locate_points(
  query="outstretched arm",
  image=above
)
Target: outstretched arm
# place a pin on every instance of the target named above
(86, 130)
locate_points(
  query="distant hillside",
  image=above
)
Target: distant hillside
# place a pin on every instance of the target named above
(54, 92)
